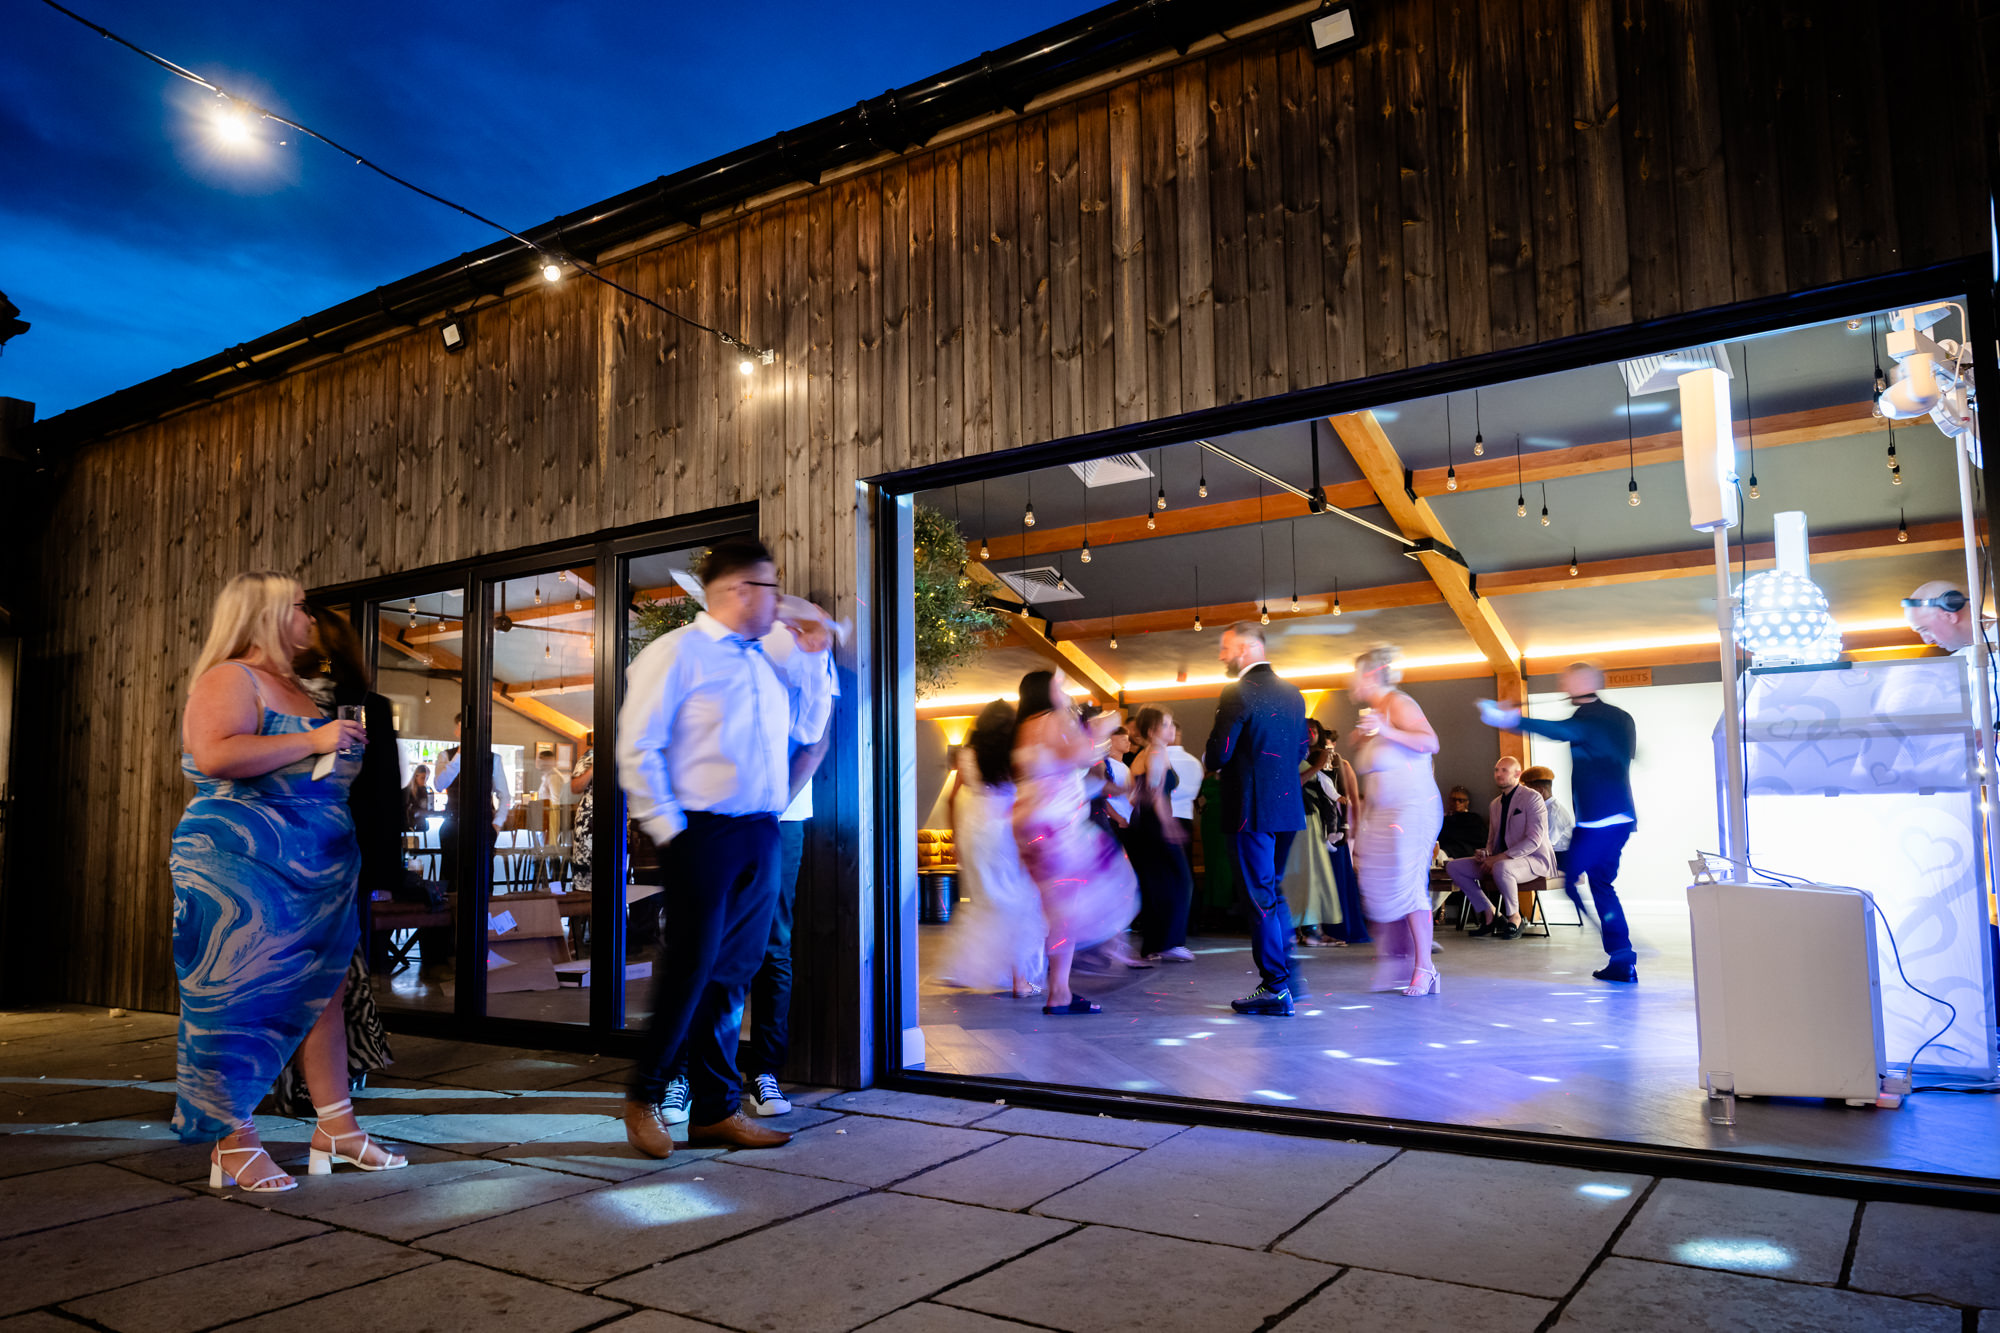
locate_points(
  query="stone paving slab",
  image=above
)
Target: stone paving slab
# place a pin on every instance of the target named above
(924, 1317)
(1771, 1233)
(198, 1298)
(1106, 1280)
(82, 1105)
(347, 1187)
(838, 1268)
(1083, 1128)
(653, 1321)
(912, 1106)
(40, 1321)
(484, 1132)
(1361, 1299)
(1226, 1185)
(1913, 1250)
(1015, 1172)
(448, 1297)
(516, 1072)
(863, 1150)
(48, 1267)
(591, 1238)
(187, 1163)
(1693, 1300)
(73, 1194)
(49, 1149)
(419, 1212)
(1512, 1226)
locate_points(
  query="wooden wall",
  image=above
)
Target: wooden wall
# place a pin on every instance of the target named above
(1231, 225)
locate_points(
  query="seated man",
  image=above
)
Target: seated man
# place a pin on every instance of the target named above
(1463, 832)
(1517, 852)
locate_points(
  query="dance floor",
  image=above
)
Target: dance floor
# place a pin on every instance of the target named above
(1521, 1038)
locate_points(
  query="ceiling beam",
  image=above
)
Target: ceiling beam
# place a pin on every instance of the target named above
(451, 667)
(548, 609)
(1493, 473)
(1422, 593)
(1066, 658)
(1173, 522)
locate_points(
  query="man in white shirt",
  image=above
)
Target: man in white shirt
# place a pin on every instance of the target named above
(704, 755)
(454, 807)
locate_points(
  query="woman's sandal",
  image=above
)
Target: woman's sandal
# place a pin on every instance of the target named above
(1077, 1005)
(319, 1161)
(276, 1183)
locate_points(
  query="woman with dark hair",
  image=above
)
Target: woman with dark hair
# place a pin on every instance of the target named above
(1086, 884)
(1157, 844)
(997, 938)
(1310, 889)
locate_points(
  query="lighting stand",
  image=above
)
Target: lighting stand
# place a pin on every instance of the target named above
(1735, 804)
(1968, 450)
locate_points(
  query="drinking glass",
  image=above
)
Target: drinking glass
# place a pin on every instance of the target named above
(349, 713)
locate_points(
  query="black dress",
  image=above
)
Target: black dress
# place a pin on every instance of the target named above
(1166, 880)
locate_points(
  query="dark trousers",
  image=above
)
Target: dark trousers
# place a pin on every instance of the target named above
(1593, 855)
(771, 990)
(721, 880)
(1166, 891)
(1260, 868)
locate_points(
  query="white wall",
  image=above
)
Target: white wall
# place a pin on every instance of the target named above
(1673, 784)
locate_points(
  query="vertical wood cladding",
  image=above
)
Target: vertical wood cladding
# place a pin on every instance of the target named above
(1477, 174)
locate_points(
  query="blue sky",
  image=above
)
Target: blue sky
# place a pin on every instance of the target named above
(133, 246)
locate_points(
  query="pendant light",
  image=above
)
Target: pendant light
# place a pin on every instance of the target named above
(1336, 595)
(1450, 468)
(1478, 429)
(538, 590)
(1028, 518)
(1295, 564)
(1545, 504)
(1114, 624)
(1197, 598)
(1263, 561)
(1902, 527)
(1750, 422)
(1631, 469)
(1201, 489)
(1881, 380)
(1520, 487)
(1085, 556)
(985, 552)
(1572, 562)
(1160, 466)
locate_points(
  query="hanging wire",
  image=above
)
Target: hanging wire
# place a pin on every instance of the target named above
(1520, 487)
(1263, 561)
(1160, 466)
(1197, 596)
(1085, 557)
(1545, 504)
(1631, 468)
(1114, 622)
(1295, 564)
(1750, 421)
(1450, 468)
(548, 252)
(1336, 594)
(1478, 428)
(1028, 518)
(985, 552)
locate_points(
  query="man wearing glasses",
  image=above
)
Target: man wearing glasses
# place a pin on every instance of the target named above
(711, 713)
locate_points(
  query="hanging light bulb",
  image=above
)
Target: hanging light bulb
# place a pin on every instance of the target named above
(551, 271)
(1295, 601)
(413, 608)
(1545, 513)
(1150, 525)
(1085, 557)
(1114, 640)
(1160, 501)
(1520, 506)
(562, 576)
(1892, 463)
(545, 650)
(1754, 492)
(1478, 446)
(1450, 477)
(1028, 518)
(538, 592)
(985, 552)
(1263, 614)
(1197, 622)
(1902, 527)
(1336, 603)
(1201, 489)
(427, 691)
(1632, 492)
(1478, 428)
(1572, 562)
(1895, 476)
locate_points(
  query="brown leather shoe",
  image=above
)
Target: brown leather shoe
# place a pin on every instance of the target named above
(738, 1132)
(646, 1129)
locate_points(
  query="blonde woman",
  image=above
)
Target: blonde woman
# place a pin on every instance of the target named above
(264, 865)
(1400, 812)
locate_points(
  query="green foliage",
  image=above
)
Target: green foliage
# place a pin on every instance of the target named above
(651, 619)
(953, 624)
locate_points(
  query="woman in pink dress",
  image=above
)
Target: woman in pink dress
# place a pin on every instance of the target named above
(1089, 892)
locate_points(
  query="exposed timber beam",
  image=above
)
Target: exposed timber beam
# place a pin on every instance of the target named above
(528, 616)
(1421, 593)
(1065, 657)
(1494, 471)
(1171, 522)
(452, 667)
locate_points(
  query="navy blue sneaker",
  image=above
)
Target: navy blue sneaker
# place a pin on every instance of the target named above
(1264, 1000)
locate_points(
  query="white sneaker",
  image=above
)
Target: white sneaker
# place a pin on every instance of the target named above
(1173, 955)
(674, 1106)
(765, 1097)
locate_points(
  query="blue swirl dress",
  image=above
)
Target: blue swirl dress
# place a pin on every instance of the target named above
(265, 924)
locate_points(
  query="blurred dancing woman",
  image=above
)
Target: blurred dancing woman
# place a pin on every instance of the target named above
(1400, 812)
(998, 938)
(1157, 844)
(264, 866)
(1088, 891)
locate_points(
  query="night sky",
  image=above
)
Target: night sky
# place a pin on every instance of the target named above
(134, 245)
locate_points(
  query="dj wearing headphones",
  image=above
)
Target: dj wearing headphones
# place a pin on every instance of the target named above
(1943, 616)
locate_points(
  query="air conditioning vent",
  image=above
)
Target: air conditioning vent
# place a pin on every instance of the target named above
(1042, 584)
(1111, 471)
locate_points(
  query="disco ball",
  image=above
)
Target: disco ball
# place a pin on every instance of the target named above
(1783, 620)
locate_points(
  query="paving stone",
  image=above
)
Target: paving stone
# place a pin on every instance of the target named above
(517, 1071)
(347, 1187)
(912, 1106)
(1083, 1128)
(656, 1321)
(203, 1297)
(591, 1238)
(1914, 1250)
(1106, 1280)
(486, 1131)
(22, 1153)
(40, 1321)
(863, 1150)
(1224, 1185)
(419, 1212)
(1361, 1299)
(448, 1297)
(74, 1193)
(1513, 1226)
(187, 1163)
(605, 1157)
(53, 1266)
(1801, 1237)
(82, 1105)
(1016, 1172)
(1691, 1300)
(926, 1317)
(838, 1268)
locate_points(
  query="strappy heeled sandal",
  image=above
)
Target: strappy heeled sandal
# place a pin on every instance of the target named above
(1434, 985)
(319, 1161)
(218, 1177)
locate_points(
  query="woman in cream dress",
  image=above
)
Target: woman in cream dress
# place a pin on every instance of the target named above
(1400, 814)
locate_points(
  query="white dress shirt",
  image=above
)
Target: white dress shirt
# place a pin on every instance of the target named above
(503, 794)
(709, 720)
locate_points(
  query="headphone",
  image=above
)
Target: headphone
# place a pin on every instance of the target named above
(1951, 603)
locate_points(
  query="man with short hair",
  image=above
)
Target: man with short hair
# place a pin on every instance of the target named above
(1463, 833)
(711, 713)
(1517, 851)
(1258, 742)
(1943, 616)
(1602, 741)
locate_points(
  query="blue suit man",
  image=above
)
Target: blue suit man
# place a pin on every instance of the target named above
(1258, 742)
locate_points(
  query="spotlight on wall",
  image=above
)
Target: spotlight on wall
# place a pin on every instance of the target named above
(551, 270)
(453, 334)
(1331, 29)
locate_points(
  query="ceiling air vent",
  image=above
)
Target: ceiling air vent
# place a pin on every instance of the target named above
(1042, 584)
(1650, 374)
(1111, 471)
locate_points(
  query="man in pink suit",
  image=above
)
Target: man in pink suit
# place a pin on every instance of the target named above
(1517, 850)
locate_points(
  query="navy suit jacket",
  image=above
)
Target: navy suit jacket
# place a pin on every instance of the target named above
(1259, 740)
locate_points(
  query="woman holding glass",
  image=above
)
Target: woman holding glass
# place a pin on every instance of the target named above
(264, 865)
(1400, 813)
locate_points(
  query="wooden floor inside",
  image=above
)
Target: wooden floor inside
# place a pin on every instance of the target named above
(1520, 1038)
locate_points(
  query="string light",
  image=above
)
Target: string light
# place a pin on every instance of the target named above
(1545, 504)
(1160, 466)
(233, 125)
(1478, 429)
(1520, 488)
(1750, 420)
(1295, 565)
(985, 552)
(1902, 527)
(1085, 556)
(1572, 562)
(1028, 518)
(1631, 468)
(1202, 488)
(1450, 468)
(1336, 596)
(1197, 598)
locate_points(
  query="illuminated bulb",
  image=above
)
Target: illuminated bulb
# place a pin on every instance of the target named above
(1263, 615)
(427, 694)
(1202, 490)
(1450, 478)
(1197, 622)
(1632, 492)
(1336, 604)
(232, 126)
(1114, 641)
(551, 271)
(1892, 463)
(1895, 476)
(1520, 506)
(1572, 566)
(562, 576)
(1085, 557)
(1295, 601)
(1028, 519)
(1754, 492)
(746, 365)
(545, 652)
(1545, 516)
(1902, 530)
(1478, 446)
(538, 594)
(1149, 523)
(413, 608)
(1161, 502)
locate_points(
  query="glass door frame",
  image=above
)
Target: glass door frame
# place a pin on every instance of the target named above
(609, 554)
(886, 508)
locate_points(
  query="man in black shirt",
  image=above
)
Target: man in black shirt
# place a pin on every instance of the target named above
(1602, 740)
(1463, 832)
